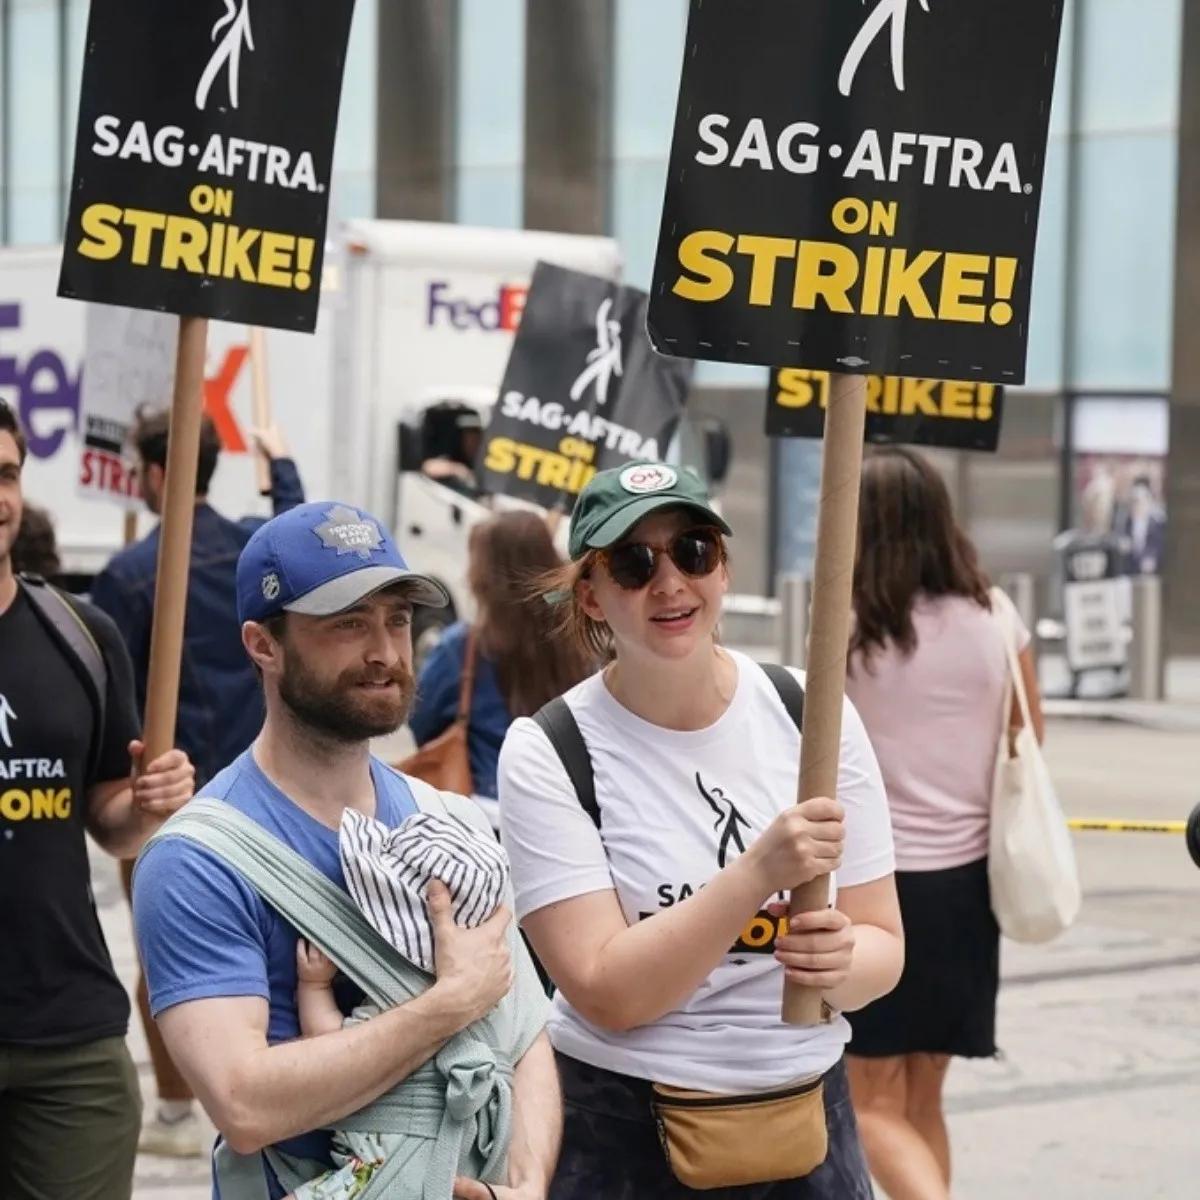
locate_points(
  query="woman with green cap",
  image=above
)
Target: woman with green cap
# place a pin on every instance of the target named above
(651, 821)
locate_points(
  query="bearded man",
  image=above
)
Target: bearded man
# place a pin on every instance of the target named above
(326, 600)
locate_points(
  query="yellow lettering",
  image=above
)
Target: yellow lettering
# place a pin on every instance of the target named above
(275, 259)
(833, 287)
(501, 456)
(102, 240)
(904, 283)
(145, 225)
(958, 400)
(715, 276)
(15, 805)
(183, 245)
(963, 279)
(760, 932)
(918, 397)
(798, 387)
(766, 253)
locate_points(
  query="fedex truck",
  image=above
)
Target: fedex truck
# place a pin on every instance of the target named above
(415, 328)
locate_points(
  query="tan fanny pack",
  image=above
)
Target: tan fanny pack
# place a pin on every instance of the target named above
(716, 1141)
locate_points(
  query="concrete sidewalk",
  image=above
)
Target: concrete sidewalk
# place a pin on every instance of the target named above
(1097, 1093)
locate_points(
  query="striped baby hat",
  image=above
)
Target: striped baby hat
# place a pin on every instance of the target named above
(388, 870)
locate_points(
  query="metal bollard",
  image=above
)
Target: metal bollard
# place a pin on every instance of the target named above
(1146, 643)
(1020, 589)
(795, 596)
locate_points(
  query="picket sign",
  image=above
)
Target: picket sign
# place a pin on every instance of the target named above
(829, 634)
(202, 191)
(260, 395)
(175, 545)
(827, 210)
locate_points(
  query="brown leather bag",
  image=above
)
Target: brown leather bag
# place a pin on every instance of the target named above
(445, 762)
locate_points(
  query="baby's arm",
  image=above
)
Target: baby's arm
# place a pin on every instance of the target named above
(319, 1012)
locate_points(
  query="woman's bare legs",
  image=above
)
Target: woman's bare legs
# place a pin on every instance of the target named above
(901, 1160)
(926, 1078)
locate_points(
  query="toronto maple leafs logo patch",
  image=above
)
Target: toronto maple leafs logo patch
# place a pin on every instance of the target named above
(347, 531)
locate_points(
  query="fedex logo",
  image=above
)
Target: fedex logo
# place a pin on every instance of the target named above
(46, 396)
(41, 390)
(501, 313)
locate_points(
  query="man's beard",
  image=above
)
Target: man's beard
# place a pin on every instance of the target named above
(342, 711)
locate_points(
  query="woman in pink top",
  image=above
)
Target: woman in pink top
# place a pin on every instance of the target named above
(929, 676)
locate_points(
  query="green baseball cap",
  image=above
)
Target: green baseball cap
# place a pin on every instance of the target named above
(615, 501)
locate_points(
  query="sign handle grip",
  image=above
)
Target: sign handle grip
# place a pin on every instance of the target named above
(175, 542)
(829, 636)
(261, 399)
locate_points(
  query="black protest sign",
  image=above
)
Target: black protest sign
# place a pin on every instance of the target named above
(583, 390)
(855, 187)
(956, 415)
(203, 157)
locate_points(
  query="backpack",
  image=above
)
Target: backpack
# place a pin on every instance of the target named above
(559, 725)
(70, 632)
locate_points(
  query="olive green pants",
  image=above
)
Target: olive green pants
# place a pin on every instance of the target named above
(69, 1121)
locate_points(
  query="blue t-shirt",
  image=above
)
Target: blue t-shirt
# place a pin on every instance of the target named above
(204, 932)
(437, 705)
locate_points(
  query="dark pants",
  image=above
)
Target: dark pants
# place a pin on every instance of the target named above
(69, 1121)
(611, 1148)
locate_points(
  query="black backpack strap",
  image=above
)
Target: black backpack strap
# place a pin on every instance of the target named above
(789, 689)
(558, 723)
(61, 618)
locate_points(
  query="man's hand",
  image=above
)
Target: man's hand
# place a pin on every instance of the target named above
(818, 949)
(474, 967)
(163, 786)
(472, 1189)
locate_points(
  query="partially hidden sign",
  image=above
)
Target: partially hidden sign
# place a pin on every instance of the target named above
(956, 415)
(583, 390)
(203, 157)
(128, 366)
(855, 186)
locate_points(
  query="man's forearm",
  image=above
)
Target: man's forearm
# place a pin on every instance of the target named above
(119, 827)
(537, 1121)
(288, 1089)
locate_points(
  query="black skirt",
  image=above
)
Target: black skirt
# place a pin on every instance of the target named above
(945, 1002)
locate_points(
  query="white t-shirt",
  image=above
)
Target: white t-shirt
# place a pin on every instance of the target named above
(676, 806)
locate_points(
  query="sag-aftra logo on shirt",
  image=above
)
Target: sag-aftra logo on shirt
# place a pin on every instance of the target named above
(45, 803)
(758, 937)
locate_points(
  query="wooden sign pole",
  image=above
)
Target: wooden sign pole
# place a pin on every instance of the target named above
(175, 540)
(261, 400)
(829, 634)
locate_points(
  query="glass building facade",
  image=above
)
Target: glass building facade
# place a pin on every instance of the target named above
(527, 106)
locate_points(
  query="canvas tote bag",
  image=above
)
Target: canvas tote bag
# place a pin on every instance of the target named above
(1031, 862)
(445, 762)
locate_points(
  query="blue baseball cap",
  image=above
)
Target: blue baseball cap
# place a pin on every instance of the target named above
(323, 558)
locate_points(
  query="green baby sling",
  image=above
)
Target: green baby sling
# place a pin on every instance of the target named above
(454, 1114)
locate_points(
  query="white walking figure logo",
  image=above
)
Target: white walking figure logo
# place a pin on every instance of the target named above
(605, 360)
(6, 715)
(236, 25)
(895, 11)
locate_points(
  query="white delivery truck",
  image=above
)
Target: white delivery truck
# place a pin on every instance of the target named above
(415, 329)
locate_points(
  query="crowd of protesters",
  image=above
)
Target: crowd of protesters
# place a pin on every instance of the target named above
(331, 948)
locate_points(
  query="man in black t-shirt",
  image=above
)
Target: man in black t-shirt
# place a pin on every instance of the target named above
(69, 1102)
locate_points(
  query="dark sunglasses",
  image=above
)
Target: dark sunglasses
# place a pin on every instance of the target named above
(696, 552)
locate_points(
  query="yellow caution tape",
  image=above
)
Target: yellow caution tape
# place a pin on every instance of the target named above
(1100, 826)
